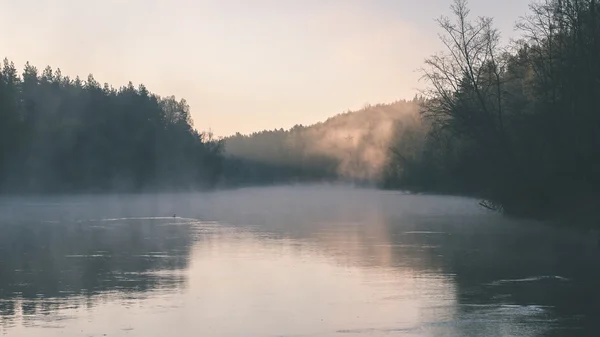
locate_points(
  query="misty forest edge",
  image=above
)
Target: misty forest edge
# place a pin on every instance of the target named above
(517, 125)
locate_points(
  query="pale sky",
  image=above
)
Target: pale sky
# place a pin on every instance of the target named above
(242, 65)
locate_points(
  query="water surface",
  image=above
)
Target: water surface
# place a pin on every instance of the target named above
(303, 261)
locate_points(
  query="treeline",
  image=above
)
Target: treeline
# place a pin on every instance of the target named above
(61, 135)
(517, 125)
(275, 156)
(350, 147)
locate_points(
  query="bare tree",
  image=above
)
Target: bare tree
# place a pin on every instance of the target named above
(466, 89)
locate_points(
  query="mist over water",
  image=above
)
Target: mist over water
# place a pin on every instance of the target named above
(289, 261)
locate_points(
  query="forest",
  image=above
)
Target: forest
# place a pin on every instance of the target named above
(349, 147)
(517, 125)
(63, 135)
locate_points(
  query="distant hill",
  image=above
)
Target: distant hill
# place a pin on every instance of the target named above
(353, 145)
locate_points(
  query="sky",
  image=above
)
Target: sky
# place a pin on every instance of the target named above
(242, 65)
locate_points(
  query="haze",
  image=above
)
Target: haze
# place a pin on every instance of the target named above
(243, 66)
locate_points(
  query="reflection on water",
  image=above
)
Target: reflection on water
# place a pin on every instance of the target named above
(289, 262)
(49, 268)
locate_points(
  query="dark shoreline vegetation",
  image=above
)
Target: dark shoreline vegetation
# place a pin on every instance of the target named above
(516, 125)
(63, 135)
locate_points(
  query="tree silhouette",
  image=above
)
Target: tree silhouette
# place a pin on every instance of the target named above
(520, 129)
(63, 135)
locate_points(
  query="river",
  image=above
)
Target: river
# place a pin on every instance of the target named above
(290, 261)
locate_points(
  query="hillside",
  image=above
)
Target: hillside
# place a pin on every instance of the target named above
(353, 145)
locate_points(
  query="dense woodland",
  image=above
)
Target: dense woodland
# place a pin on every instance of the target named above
(351, 147)
(517, 125)
(61, 135)
(275, 156)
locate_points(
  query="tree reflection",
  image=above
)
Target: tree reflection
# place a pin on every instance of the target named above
(49, 266)
(507, 276)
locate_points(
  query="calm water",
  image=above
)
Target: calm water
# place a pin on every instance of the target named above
(309, 261)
